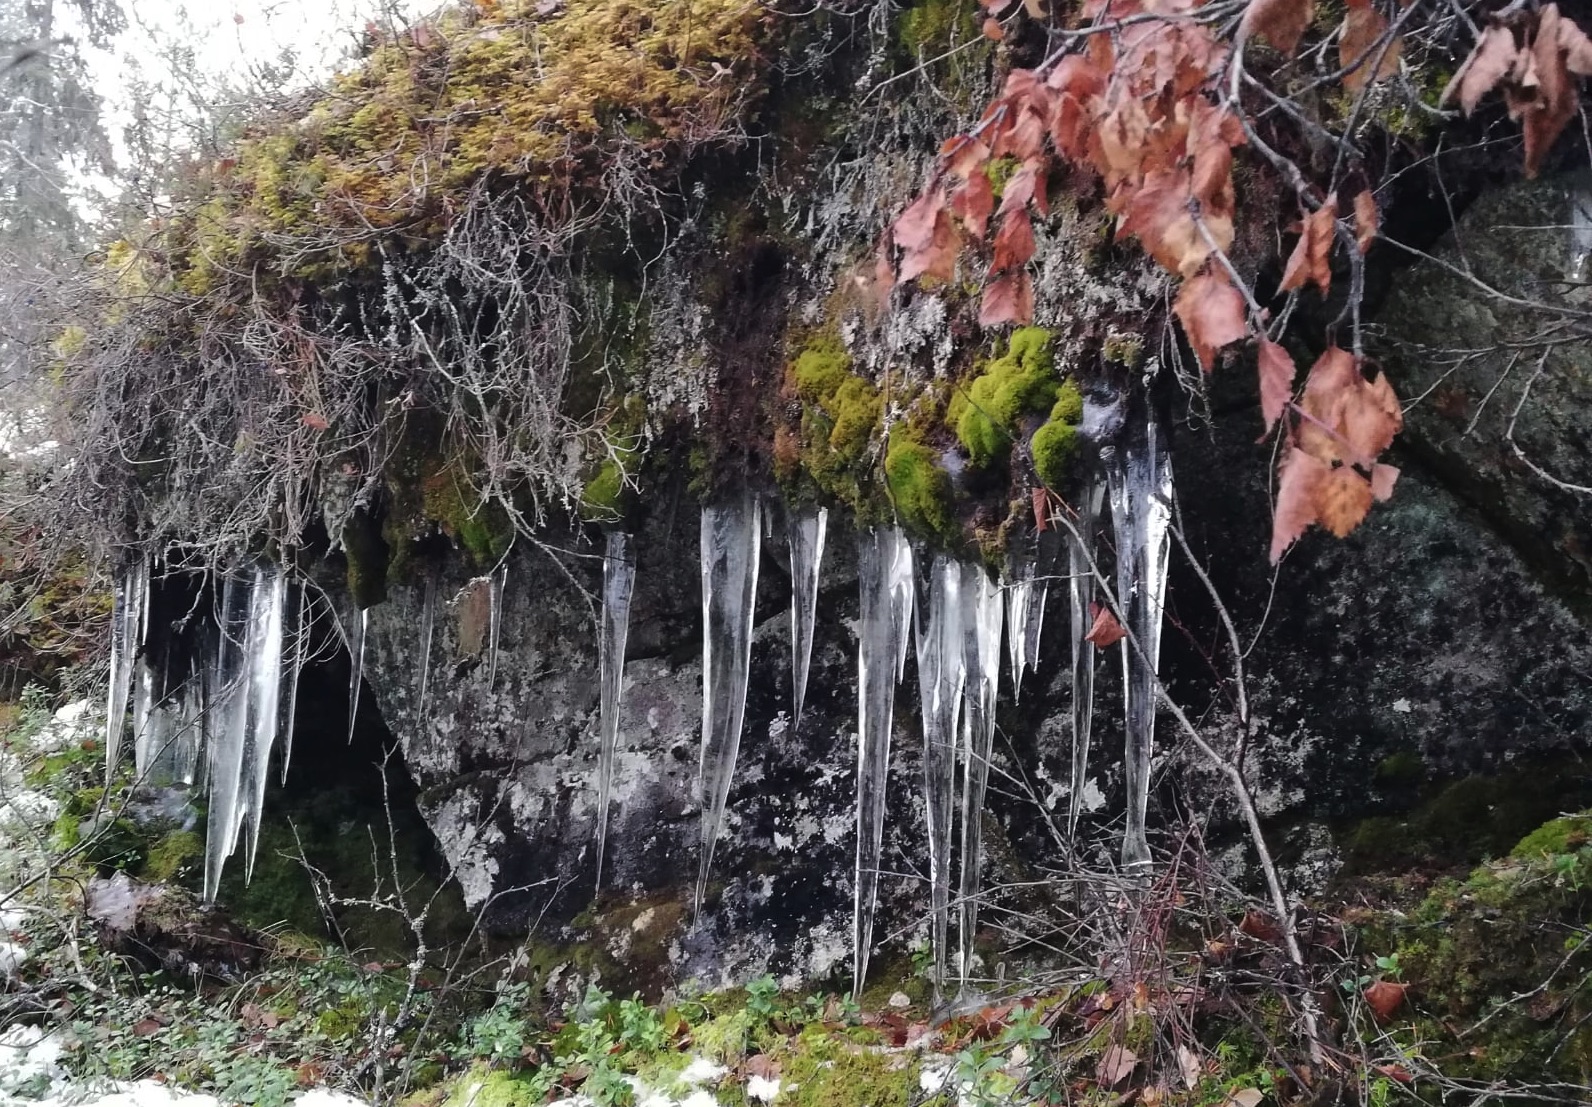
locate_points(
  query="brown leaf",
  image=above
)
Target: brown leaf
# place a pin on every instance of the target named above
(1280, 22)
(1008, 299)
(1395, 1072)
(1577, 48)
(1491, 60)
(1026, 186)
(761, 1064)
(314, 420)
(1365, 220)
(1311, 260)
(1299, 477)
(1385, 998)
(1342, 500)
(143, 1028)
(1157, 213)
(993, 30)
(914, 229)
(1276, 381)
(1040, 499)
(936, 259)
(1106, 631)
(1361, 46)
(1035, 8)
(1212, 313)
(1260, 926)
(1014, 242)
(972, 203)
(1383, 478)
(964, 156)
(1557, 98)
(1116, 1065)
(1244, 1097)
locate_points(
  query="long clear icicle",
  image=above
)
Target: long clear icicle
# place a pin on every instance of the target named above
(1019, 592)
(266, 626)
(806, 536)
(228, 737)
(356, 667)
(297, 632)
(428, 627)
(884, 576)
(1139, 473)
(498, 586)
(982, 611)
(1081, 556)
(619, 579)
(941, 671)
(129, 608)
(731, 543)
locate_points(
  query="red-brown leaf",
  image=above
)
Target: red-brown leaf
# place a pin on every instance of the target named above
(1385, 998)
(1008, 299)
(914, 229)
(1491, 60)
(1365, 220)
(1276, 381)
(993, 30)
(1577, 48)
(935, 259)
(1299, 477)
(314, 420)
(1014, 242)
(1279, 22)
(1383, 477)
(1362, 46)
(1116, 1065)
(1311, 260)
(1106, 630)
(972, 202)
(1260, 926)
(1212, 313)
(1342, 500)
(1026, 186)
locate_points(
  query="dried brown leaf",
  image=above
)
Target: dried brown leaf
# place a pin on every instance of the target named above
(1280, 22)
(1212, 313)
(1491, 60)
(1276, 381)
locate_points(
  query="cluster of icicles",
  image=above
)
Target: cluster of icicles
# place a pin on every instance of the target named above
(219, 715)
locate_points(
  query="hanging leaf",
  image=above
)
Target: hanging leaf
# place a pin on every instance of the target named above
(1212, 313)
(1280, 22)
(1105, 630)
(1299, 478)
(1363, 46)
(1491, 60)
(1311, 260)
(1014, 242)
(1007, 299)
(1276, 381)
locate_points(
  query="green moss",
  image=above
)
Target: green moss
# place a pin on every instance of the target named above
(483, 529)
(919, 488)
(1123, 349)
(485, 1087)
(1561, 836)
(840, 421)
(174, 858)
(984, 415)
(820, 369)
(1055, 444)
(367, 552)
(930, 27)
(828, 1071)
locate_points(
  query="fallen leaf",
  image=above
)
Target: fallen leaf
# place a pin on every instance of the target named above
(1260, 926)
(761, 1064)
(1245, 1097)
(1395, 1072)
(1212, 313)
(1280, 22)
(1106, 630)
(1276, 381)
(1385, 998)
(1365, 220)
(1116, 1065)
(1188, 1064)
(143, 1028)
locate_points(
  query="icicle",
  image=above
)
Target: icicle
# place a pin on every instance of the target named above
(428, 624)
(806, 534)
(297, 630)
(981, 656)
(1081, 596)
(730, 548)
(884, 577)
(1140, 475)
(356, 666)
(499, 584)
(228, 738)
(941, 670)
(1019, 609)
(128, 611)
(619, 578)
(266, 617)
(144, 725)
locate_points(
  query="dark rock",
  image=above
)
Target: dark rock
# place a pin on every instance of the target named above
(164, 927)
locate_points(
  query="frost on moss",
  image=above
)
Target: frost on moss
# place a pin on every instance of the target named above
(1023, 381)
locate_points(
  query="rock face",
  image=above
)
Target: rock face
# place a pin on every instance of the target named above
(1450, 630)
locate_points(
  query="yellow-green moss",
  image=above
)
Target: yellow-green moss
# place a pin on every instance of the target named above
(840, 420)
(175, 858)
(919, 488)
(930, 27)
(823, 1070)
(483, 529)
(485, 1087)
(1023, 381)
(1055, 444)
